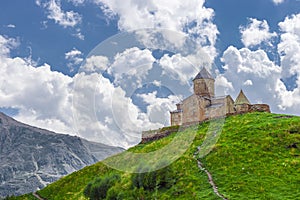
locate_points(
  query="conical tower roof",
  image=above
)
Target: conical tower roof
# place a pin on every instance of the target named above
(242, 99)
(203, 74)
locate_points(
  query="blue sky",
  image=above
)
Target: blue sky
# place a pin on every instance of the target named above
(252, 45)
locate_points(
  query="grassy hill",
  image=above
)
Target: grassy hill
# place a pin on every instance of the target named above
(256, 157)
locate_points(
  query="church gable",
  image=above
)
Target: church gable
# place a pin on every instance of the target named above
(241, 99)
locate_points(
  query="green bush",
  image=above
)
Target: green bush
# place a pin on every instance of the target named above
(98, 189)
(162, 178)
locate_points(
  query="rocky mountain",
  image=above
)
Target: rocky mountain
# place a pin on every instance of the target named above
(31, 158)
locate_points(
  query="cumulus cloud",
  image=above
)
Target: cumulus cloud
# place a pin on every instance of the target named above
(132, 63)
(41, 95)
(223, 86)
(178, 67)
(63, 18)
(159, 107)
(187, 17)
(289, 46)
(6, 44)
(256, 32)
(104, 112)
(75, 56)
(276, 2)
(243, 65)
(95, 64)
(183, 68)
(289, 100)
(289, 50)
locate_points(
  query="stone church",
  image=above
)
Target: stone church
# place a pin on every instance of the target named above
(204, 105)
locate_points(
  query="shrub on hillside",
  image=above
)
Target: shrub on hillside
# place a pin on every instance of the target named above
(162, 178)
(97, 189)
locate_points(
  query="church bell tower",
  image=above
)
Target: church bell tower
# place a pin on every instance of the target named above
(204, 84)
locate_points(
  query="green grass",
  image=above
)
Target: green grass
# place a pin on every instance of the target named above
(256, 157)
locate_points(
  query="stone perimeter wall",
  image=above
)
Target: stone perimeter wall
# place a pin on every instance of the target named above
(259, 108)
(151, 135)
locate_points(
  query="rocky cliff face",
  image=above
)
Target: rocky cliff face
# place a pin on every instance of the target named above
(31, 158)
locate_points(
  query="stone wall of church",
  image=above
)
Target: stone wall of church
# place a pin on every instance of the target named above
(220, 108)
(194, 109)
(176, 118)
(215, 112)
(242, 108)
(204, 87)
(191, 109)
(229, 105)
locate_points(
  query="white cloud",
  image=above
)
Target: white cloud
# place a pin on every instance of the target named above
(289, 100)
(243, 65)
(78, 34)
(75, 56)
(256, 32)
(77, 2)
(95, 64)
(159, 107)
(223, 86)
(157, 83)
(11, 26)
(63, 18)
(188, 17)
(248, 82)
(178, 67)
(276, 2)
(250, 62)
(38, 2)
(6, 44)
(104, 113)
(289, 46)
(41, 96)
(134, 63)
(289, 50)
